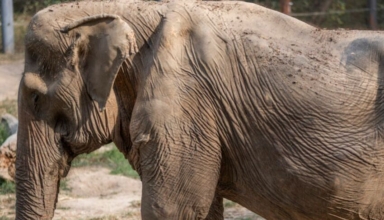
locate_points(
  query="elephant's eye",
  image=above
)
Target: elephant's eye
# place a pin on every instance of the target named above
(35, 98)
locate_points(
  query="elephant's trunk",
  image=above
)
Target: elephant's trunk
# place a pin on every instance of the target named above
(37, 170)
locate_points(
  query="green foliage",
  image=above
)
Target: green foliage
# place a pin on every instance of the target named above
(273, 4)
(64, 185)
(351, 14)
(112, 159)
(380, 15)
(119, 163)
(229, 203)
(7, 187)
(32, 6)
(337, 18)
(3, 133)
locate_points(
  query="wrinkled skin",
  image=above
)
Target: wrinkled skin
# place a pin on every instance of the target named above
(218, 99)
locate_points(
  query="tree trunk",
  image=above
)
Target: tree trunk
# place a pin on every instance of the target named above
(372, 14)
(285, 6)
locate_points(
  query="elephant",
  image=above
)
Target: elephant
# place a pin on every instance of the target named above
(206, 100)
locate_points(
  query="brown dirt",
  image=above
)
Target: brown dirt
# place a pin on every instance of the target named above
(94, 193)
(10, 75)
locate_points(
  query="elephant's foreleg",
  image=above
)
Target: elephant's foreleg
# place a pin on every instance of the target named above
(216, 212)
(179, 182)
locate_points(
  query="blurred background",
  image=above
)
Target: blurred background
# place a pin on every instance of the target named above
(348, 14)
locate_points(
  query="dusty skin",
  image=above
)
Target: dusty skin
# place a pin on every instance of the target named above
(90, 192)
(207, 100)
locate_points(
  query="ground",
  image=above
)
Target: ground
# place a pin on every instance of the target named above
(89, 191)
(10, 75)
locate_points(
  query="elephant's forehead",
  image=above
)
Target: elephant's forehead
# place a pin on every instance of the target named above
(42, 34)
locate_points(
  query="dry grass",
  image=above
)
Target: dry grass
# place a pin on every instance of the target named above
(20, 27)
(8, 106)
(7, 204)
(129, 215)
(9, 58)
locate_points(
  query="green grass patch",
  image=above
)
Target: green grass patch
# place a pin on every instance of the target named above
(3, 133)
(7, 187)
(112, 159)
(229, 203)
(64, 185)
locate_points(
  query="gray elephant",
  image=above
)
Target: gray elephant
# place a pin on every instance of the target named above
(207, 100)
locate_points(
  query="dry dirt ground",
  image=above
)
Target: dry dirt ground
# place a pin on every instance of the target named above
(90, 192)
(10, 75)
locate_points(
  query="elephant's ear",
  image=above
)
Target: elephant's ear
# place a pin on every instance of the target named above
(101, 44)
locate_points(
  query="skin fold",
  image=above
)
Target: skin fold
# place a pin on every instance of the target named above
(207, 100)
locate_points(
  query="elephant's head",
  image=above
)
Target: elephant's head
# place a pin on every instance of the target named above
(67, 105)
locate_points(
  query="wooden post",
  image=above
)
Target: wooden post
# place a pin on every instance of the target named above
(285, 6)
(373, 14)
(7, 26)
